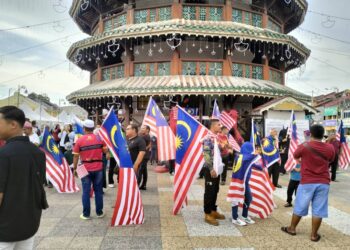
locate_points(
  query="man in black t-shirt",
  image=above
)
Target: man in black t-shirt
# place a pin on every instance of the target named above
(136, 145)
(142, 175)
(22, 170)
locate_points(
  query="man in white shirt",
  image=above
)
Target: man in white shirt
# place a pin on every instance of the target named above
(28, 131)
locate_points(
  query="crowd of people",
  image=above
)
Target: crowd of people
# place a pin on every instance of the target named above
(19, 151)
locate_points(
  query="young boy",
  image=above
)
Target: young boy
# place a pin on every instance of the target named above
(293, 185)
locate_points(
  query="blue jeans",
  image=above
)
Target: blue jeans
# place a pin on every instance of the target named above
(94, 178)
(247, 200)
(317, 195)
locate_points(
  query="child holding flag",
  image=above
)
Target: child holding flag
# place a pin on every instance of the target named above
(239, 191)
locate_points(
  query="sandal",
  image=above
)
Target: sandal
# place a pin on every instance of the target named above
(288, 205)
(318, 237)
(285, 229)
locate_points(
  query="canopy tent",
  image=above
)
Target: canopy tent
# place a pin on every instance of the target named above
(64, 117)
(29, 113)
(44, 116)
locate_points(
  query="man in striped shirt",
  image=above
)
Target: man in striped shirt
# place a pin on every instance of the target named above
(90, 149)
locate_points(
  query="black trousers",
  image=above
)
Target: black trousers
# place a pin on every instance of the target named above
(284, 158)
(211, 191)
(334, 166)
(142, 174)
(171, 166)
(274, 172)
(225, 160)
(112, 166)
(292, 188)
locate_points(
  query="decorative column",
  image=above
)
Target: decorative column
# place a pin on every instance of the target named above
(99, 73)
(228, 11)
(100, 25)
(175, 63)
(128, 62)
(130, 13)
(266, 69)
(176, 10)
(265, 18)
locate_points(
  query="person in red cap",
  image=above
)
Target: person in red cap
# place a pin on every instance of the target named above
(90, 148)
(28, 131)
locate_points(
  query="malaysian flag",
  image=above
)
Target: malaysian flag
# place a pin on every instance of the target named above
(128, 206)
(262, 189)
(57, 168)
(161, 129)
(150, 117)
(77, 128)
(189, 155)
(224, 118)
(242, 167)
(270, 153)
(344, 154)
(227, 120)
(293, 144)
(234, 143)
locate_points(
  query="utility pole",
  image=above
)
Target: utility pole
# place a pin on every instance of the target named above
(20, 87)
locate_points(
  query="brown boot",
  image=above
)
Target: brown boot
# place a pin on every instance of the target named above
(217, 216)
(211, 220)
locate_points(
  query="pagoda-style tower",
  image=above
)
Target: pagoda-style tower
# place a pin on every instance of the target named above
(186, 51)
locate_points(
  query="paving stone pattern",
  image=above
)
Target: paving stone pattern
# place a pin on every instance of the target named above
(61, 227)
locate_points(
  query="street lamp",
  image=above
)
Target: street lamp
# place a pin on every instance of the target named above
(63, 101)
(21, 87)
(10, 89)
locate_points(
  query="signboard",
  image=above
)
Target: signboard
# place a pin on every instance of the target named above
(329, 111)
(277, 124)
(330, 123)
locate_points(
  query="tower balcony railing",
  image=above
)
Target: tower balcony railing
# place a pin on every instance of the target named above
(203, 12)
(188, 67)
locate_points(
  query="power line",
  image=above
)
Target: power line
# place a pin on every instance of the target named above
(335, 52)
(321, 35)
(33, 73)
(35, 25)
(329, 16)
(330, 65)
(37, 45)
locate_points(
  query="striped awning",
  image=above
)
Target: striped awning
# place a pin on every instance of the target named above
(185, 85)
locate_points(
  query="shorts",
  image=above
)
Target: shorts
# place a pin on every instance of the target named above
(317, 194)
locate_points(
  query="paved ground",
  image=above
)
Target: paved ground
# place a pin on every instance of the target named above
(61, 227)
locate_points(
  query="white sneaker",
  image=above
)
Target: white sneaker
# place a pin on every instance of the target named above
(239, 222)
(84, 218)
(111, 185)
(248, 220)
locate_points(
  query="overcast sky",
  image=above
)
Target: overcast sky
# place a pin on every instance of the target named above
(327, 67)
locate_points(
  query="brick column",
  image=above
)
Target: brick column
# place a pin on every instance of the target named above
(99, 73)
(129, 14)
(100, 25)
(175, 63)
(266, 69)
(228, 11)
(265, 19)
(176, 10)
